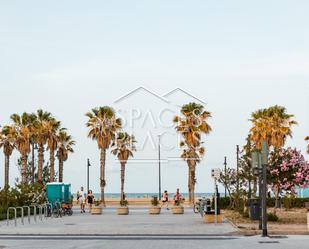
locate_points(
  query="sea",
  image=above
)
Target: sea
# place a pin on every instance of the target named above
(149, 195)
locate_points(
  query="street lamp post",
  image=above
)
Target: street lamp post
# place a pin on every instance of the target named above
(259, 161)
(237, 168)
(225, 163)
(264, 155)
(159, 148)
(33, 147)
(88, 165)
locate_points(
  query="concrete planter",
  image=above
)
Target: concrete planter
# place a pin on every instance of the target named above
(178, 210)
(210, 218)
(96, 210)
(154, 210)
(123, 211)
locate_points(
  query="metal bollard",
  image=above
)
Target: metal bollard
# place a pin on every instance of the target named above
(28, 213)
(8, 215)
(22, 214)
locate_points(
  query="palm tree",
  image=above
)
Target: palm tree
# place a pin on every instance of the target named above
(7, 139)
(307, 139)
(103, 125)
(22, 130)
(52, 127)
(272, 125)
(191, 125)
(41, 134)
(124, 145)
(65, 146)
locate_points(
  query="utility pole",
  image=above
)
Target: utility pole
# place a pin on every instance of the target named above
(225, 163)
(88, 165)
(264, 189)
(260, 189)
(159, 136)
(237, 169)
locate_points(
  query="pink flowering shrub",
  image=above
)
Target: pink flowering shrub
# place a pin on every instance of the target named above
(287, 169)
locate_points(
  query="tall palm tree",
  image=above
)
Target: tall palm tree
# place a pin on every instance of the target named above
(272, 125)
(123, 148)
(41, 134)
(191, 125)
(65, 145)
(307, 139)
(103, 125)
(7, 139)
(22, 130)
(52, 127)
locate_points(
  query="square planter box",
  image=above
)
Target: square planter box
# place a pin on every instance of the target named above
(123, 211)
(96, 210)
(154, 210)
(210, 218)
(178, 210)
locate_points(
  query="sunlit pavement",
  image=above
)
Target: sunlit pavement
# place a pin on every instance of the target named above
(137, 230)
(109, 223)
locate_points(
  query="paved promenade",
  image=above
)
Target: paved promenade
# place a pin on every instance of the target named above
(109, 223)
(135, 231)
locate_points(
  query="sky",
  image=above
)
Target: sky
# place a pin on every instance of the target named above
(67, 57)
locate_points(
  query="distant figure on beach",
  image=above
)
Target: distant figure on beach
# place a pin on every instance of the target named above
(90, 198)
(177, 196)
(165, 199)
(81, 199)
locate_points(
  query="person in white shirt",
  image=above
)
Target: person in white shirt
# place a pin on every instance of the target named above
(81, 199)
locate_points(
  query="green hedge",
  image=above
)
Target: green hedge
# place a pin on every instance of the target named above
(20, 196)
(286, 202)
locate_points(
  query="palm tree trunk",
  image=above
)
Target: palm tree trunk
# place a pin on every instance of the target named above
(192, 184)
(52, 165)
(60, 169)
(24, 169)
(40, 163)
(6, 170)
(102, 174)
(122, 176)
(32, 163)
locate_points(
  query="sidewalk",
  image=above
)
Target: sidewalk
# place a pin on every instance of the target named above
(109, 223)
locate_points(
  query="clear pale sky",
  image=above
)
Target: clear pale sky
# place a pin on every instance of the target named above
(237, 56)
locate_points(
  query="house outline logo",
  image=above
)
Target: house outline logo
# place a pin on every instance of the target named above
(163, 98)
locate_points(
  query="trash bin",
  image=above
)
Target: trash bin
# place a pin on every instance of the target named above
(255, 209)
(208, 205)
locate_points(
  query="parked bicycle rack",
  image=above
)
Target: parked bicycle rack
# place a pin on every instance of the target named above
(40, 212)
(34, 211)
(28, 213)
(22, 214)
(45, 210)
(8, 215)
